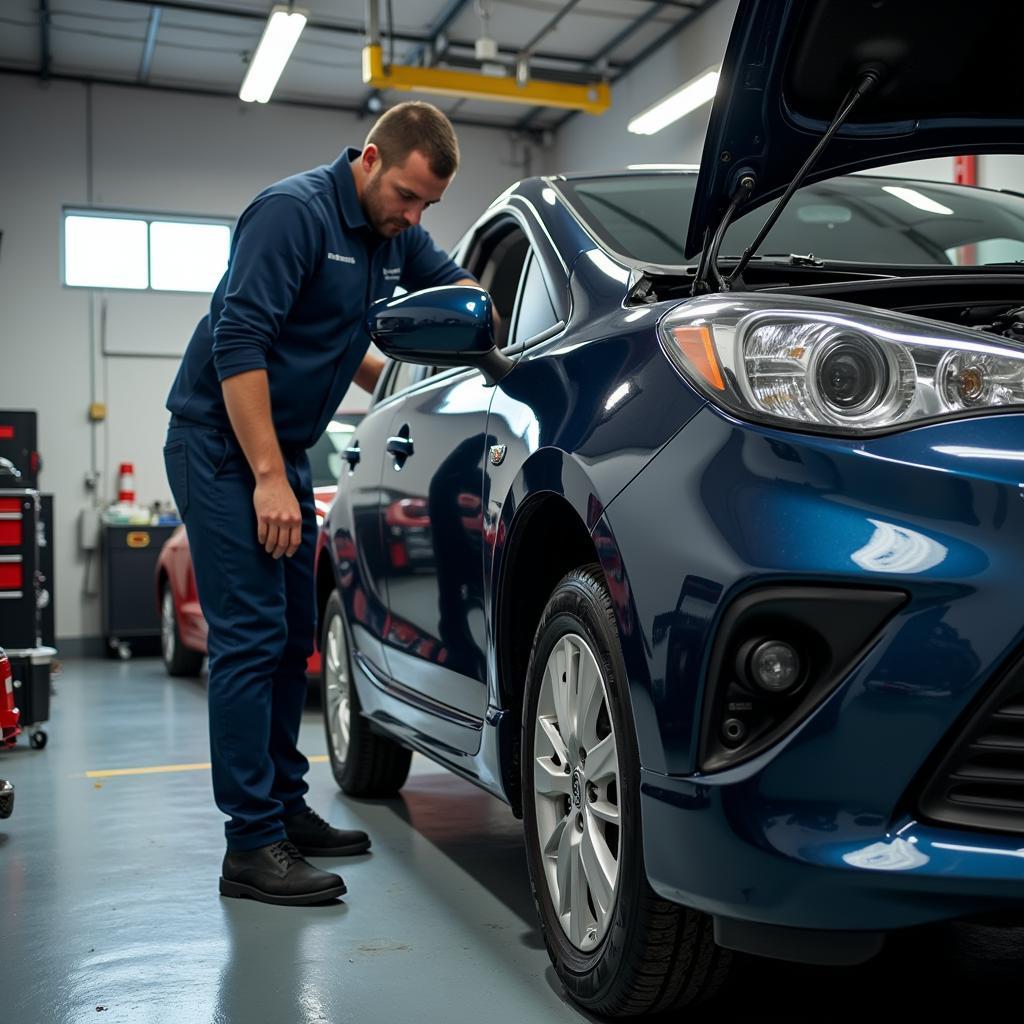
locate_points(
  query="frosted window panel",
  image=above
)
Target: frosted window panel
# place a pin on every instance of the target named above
(187, 257)
(105, 252)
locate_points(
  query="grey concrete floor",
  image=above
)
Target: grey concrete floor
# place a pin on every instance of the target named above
(109, 908)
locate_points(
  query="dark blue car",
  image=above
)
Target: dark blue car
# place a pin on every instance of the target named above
(711, 567)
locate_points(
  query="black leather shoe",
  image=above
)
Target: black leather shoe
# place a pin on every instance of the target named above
(315, 838)
(277, 874)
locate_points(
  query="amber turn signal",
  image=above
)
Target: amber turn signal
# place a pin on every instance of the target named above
(698, 350)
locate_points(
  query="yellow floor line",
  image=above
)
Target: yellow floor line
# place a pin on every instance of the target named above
(159, 769)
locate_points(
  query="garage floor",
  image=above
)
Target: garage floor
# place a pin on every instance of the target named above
(109, 908)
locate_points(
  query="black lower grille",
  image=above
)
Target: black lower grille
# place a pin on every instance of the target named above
(980, 781)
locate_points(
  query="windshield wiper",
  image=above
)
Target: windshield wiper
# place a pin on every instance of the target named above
(747, 182)
(794, 259)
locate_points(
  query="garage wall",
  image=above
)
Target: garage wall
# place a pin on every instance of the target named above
(136, 149)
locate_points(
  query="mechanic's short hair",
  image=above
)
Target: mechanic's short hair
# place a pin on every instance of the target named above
(416, 125)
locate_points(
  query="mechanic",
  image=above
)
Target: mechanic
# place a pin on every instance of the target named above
(259, 381)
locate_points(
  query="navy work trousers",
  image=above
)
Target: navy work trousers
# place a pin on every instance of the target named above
(261, 615)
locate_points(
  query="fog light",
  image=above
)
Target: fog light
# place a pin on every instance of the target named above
(774, 666)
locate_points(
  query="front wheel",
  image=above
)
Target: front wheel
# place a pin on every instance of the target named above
(363, 762)
(618, 948)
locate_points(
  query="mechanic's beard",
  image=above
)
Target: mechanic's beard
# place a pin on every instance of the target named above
(373, 206)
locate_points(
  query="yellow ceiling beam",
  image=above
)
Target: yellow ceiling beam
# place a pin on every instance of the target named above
(593, 98)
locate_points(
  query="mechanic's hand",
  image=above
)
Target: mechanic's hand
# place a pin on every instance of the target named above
(278, 517)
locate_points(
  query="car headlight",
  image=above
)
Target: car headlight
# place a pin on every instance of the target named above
(835, 367)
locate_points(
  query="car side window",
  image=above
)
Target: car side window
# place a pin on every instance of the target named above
(402, 375)
(535, 312)
(499, 268)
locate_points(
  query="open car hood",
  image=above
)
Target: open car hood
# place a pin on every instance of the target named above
(949, 84)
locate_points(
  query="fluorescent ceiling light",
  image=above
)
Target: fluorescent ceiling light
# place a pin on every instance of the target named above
(694, 94)
(915, 198)
(276, 44)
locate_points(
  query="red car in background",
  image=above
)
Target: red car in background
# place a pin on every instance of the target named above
(9, 714)
(9, 729)
(182, 625)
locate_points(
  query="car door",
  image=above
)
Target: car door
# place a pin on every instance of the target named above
(434, 500)
(355, 524)
(431, 493)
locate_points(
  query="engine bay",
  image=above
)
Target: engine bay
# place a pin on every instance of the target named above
(972, 297)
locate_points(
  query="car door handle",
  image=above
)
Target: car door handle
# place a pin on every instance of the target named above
(400, 447)
(351, 455)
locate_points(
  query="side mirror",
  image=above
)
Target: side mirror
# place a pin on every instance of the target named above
(448, 326)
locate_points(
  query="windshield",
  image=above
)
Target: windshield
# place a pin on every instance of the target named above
(325, 455)
(860, 218)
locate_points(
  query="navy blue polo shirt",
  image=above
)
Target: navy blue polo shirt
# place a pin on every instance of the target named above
(303, 268)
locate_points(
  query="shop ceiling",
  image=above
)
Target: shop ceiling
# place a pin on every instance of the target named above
(204, 48)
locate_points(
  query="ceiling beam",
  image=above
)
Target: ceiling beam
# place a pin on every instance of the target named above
(650, 50)
(445, 81)
(147, 50)
(527, 50)
(438, 48)
(230, 94)
(428, 51)
(637, 23)
(44, 39)
(431, 50)
(356, 29)
(669, 35)
(248, 14)
(595, 61)
(550, 73)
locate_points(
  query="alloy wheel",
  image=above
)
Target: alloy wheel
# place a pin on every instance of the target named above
(338, 688)
(576, 790)
(167, 626)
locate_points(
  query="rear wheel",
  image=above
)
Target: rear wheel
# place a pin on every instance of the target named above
(179, 660)
(363, 762)
(618, 948)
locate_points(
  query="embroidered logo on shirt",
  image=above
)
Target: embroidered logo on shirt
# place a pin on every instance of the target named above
(392, 273)
(341, 259)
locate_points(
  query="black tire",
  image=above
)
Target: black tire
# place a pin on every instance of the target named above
(372, 765)
(654, 956)
(178, 659)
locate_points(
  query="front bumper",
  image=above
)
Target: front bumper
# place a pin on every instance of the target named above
(729, 853)
(824, 830)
